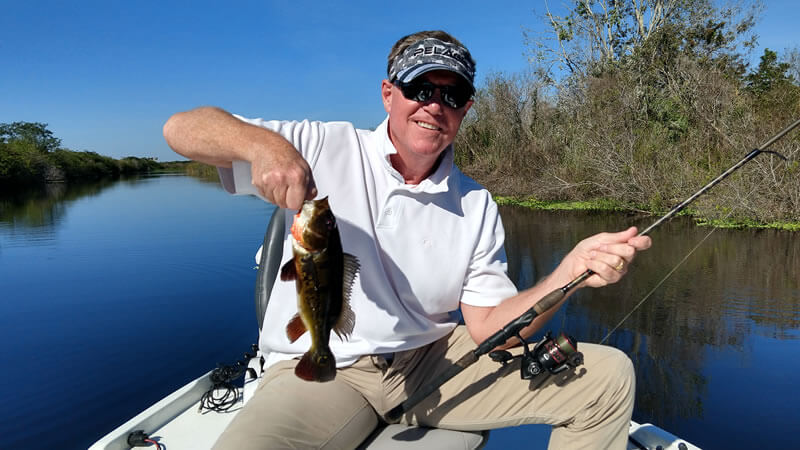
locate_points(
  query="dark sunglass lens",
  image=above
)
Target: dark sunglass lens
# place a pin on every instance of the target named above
(420, 92)
(450, 99)
(455, 96)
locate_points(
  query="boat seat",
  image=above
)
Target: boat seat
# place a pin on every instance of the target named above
(388, 437)
(408, 437)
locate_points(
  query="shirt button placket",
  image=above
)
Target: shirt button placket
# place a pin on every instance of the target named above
(390, 212)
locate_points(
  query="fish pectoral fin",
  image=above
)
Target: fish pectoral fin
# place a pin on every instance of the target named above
(347, 318)
(295, 328)
(289, 271)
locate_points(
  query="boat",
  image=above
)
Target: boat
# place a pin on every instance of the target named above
(183, 419)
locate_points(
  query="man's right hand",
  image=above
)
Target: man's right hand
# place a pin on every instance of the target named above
(213, 136)
(282, 176)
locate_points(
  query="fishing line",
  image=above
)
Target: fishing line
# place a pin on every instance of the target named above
(515, 327)
(680, 263)
(659, 284)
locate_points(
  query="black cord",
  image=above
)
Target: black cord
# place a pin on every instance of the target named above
(222, 380)
(139, 438)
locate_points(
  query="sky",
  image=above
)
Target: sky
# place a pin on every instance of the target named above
(106, 75)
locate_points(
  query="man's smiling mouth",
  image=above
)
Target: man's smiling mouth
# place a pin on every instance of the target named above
(427, 126)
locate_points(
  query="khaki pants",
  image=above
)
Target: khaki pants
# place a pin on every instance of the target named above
(589, 407)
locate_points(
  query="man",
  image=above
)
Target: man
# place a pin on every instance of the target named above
(430, 243)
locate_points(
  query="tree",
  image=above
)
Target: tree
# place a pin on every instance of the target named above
(21, 163)
(770, 73)
(33, 132)
(597, 33)
(793, 58)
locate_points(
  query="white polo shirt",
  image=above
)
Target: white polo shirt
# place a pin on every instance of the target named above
(422, 248)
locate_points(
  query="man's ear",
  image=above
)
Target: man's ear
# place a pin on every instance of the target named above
(466, 108)
(386, 95)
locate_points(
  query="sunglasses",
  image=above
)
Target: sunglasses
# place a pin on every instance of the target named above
(455, 96)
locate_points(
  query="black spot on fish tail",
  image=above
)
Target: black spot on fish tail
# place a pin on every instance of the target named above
(316, 365)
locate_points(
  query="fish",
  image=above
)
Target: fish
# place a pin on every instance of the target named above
(324, 276)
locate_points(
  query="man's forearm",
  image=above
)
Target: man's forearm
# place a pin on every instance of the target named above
(484, 322)
(213, 136)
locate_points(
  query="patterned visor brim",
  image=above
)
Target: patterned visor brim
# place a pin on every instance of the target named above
(432, 54)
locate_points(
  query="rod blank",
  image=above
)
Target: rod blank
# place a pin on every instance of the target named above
(554, 297)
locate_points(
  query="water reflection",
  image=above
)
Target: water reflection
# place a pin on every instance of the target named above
(718, 337)
(33, 214)
(31, 217)
(43, 206)
(154, 271)
(735, 285)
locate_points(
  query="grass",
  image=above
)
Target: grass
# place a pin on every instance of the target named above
(591, 205)
(611, 205)
(747, 224)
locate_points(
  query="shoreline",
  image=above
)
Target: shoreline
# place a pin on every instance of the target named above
(614, 206)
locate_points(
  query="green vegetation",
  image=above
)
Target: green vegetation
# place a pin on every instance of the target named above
(717, 223)
(193, 168)
(31, 154)
(594, 205)
(638, 107)
(630, 106)
(612, 205)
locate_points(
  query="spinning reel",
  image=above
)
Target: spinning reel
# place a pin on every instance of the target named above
(551, 355)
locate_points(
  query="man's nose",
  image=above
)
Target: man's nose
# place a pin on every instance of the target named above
(435, 101)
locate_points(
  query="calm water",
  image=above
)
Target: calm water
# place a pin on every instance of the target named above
(116, 294)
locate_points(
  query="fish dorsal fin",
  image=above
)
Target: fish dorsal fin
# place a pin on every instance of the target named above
(295, 328)
(289, 271)
(347, 320)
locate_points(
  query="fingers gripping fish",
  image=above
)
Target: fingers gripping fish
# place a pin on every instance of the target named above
(324, 277)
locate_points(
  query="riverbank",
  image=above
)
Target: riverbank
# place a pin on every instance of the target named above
(613, 205)
(30, 155)
(18, 170)
(66, 166)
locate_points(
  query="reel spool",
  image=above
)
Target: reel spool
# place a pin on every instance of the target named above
(548, 355)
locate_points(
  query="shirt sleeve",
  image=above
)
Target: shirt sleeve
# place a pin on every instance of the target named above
(306, 136)
(487, 283)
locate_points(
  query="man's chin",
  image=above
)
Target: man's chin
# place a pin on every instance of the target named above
(428, 150)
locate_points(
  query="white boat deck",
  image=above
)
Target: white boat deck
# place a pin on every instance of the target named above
(176, 422)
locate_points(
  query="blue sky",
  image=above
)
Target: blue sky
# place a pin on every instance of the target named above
(105, 75)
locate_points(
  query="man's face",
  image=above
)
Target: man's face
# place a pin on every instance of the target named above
(420, 131)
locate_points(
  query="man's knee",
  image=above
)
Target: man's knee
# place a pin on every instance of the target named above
(625, 376)
(615, 379)
(287, 412)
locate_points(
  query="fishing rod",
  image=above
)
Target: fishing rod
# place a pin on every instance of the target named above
(557, 354)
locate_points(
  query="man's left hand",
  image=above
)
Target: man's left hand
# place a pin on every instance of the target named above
(608, 255)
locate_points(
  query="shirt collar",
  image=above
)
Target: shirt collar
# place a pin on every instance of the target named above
(435, 183)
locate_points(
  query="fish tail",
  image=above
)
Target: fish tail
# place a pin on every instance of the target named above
(316, 365)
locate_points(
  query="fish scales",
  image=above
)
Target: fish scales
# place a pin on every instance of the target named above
(323, 275)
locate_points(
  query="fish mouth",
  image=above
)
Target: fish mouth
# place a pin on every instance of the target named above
(299, 225)
(301, 221)
(312, 224)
